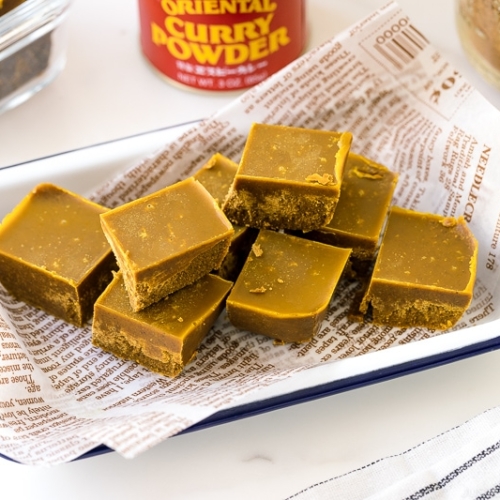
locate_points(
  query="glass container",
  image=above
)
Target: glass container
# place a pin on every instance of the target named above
(478, 25)
(32, 47)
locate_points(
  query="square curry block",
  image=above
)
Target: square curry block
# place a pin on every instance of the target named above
(53, 253)
(165, 336)
(285, 286)
(288, 178)
(167, 240)
(367, 190)
(424, 273)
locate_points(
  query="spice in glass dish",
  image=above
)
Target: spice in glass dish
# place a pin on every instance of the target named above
(32, 47)
(478, 25)
(8, 5)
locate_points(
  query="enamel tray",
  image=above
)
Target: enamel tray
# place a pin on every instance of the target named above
(83, 170)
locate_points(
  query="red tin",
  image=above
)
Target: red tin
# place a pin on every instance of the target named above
(221, 45)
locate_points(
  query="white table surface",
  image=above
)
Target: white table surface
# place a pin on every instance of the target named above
(108, 91)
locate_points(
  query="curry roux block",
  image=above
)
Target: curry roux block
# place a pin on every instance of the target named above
(424, 273)
(288, 178)
(167, 240)
(53, 253)
(285, 287)
(165, 336)
(217, 175)
(367, 189)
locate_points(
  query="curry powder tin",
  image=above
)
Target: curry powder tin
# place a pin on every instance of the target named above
(221, 45)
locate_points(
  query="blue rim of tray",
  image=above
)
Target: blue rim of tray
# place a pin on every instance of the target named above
(329, 389)
(324, 390)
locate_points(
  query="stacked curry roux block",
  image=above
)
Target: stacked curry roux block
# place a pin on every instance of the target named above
(143, 271)
(269, 239)
(164, 300)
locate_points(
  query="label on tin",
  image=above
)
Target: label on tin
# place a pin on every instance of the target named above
(221, 44)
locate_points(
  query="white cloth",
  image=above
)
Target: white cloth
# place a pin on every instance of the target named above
(462, 463)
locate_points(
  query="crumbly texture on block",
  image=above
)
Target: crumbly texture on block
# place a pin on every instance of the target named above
(154, 285)
(285, 286)
(167, 240)
(53, 254)
(165, 336)
(424, 273)
(288, 178)
(367, 190)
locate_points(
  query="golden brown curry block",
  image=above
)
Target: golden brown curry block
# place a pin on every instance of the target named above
(285, 286)
(424, 273)
(288, 178)
(167, 240)
(165, 336)
(53, 254)
(217, 175)
(367, 189)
